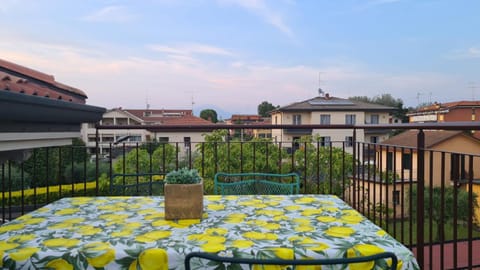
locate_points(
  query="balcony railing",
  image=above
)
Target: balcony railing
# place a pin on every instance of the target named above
(426, 198)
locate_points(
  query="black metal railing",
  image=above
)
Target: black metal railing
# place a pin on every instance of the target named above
(417, 195)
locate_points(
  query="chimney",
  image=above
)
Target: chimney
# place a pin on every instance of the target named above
(327, 96)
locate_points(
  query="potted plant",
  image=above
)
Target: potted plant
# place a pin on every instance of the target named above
(183, 194)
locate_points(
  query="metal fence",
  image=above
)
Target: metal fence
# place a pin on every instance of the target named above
(425, 198)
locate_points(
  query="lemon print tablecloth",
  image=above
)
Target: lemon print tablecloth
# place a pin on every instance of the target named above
(131, 233)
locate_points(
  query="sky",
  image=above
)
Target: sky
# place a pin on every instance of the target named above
(231, 55)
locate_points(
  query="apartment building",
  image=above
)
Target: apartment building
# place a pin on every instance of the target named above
(328, 110)
(150, 118)
(247, 119)
(456, 111)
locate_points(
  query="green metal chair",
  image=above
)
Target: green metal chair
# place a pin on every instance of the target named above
(256, 184)
(235, 263)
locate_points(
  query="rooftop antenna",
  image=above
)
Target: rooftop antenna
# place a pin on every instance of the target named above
(418, 98)
(320, 91)
(192, 100)
(146, 101)
(473, 87)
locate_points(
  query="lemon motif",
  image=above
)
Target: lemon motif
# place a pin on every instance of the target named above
(23, 254)
(214, 198)
(216, 207)
(153, 236)
(304, 228)
(66, 211)
(242, 243)
(99, 254)
(34, 221)
(7, 246)
(363, 250)
(11, 227)
(305, 200)
(292, 207)
(60, 242)
(326, 219)
(21, 238)
(153, 259)
(59, 264)
(213, 247)
(123, 233)
(339, 231)
(133, 265)
(218, 231)
(311, 212)
(352, 219)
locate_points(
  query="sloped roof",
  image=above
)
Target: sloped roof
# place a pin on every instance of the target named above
(432, 137)
(167, 116)
(448, 106)
(20, 79)
(328, 103)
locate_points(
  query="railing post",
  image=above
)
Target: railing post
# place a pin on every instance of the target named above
(420, 196)
(97, 139)
(354, 173)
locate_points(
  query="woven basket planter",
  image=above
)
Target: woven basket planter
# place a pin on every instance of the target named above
(184, 201)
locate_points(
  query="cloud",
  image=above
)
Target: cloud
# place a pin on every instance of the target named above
(190, 49)
(469, 53)
(115, 14)
(262, 10)
(234, 85)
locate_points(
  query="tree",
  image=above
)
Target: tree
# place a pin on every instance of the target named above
(265, 107)
(327, 167)
(448, 210)
(386, 100)
(210, 115)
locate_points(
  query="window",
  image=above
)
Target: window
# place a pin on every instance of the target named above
(297, 119)
(374, 139)
(186, 141)
(348, 141)
(389, 161)
(396, 197)
(325, 141)
(406, 161)
(276, 120)
(457, 165)
(325, 119)
(163, 139)
(374, 119)
(350, 119)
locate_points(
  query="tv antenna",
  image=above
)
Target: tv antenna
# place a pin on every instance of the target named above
(192, 102)
(320, 91)
(473, 87)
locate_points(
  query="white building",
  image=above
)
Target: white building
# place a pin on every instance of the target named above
(130, 137)
(327, 110)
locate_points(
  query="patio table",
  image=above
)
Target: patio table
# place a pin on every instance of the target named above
(131, 232)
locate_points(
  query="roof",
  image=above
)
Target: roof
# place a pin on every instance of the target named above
(432, 137)
(20, 79)
(329, 103)
(448, 105)
(166, 116)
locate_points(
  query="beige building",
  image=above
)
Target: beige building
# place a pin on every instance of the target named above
(399, 156)
(327, 110)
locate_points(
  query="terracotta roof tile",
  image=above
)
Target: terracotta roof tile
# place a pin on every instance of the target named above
(432, 137)
(24, 80)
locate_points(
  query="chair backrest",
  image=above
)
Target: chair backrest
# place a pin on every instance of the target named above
(308, 262)
(256, 183)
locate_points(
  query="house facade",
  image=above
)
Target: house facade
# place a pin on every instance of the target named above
(327, 110)
(122, 135)
(398, 155)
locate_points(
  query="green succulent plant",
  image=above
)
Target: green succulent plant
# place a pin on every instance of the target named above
(183, 176)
